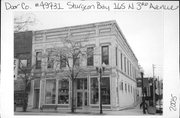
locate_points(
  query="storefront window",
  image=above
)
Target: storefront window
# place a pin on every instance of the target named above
(105, 89)
(85, 83)
(50, 91)
(94, 91)
(63, 92)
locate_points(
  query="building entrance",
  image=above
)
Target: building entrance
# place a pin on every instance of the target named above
(81, 93)
(36, 98)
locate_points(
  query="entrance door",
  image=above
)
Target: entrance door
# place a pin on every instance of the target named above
(36, 98)
(81, 92)
(79, 99)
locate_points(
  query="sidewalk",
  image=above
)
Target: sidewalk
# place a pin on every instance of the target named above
(130, 111)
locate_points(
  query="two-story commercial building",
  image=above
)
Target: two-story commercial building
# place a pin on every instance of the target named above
(111, 48)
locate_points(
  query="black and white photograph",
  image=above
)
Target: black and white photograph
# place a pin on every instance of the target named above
(91, 63)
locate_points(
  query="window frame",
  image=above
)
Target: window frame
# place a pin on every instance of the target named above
(62, 61)
(121, 61)
(50, 60)
(125, 85)
(92, 104)
(105, 56)
(38, 61)
(109, 89)
(46, 91)
(91, 56)
(68, 91)
(116, 56)
(121, 86)
(127, 67)
(124, 64)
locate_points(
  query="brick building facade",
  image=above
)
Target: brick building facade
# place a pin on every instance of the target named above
(118, 80)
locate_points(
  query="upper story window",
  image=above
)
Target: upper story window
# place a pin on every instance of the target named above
(121, 61)
(50, 60)
(24, 60)
(38, 60)
(125, 87)
(90, 56)
(77, 61)
(116, 56)
(105, 55)
(125, 64)
(76, 58)
(24, 63)
(62, 61)
(130, 70)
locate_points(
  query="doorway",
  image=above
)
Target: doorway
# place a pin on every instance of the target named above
(81, 93)
(36, 98)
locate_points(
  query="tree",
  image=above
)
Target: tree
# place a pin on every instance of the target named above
(26, 77)
(69, 54)
(23, 22)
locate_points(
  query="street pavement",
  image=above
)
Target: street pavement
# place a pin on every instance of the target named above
(129, 111)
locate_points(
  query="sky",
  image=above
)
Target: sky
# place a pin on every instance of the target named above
(143, 31)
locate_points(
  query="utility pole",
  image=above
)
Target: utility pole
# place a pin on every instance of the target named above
(159, 92)
(153, 86)
(100, 97)
(143, 99)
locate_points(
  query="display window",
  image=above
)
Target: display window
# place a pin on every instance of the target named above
(94, 91)
(50, 96)
(105, 89)
(63, 91)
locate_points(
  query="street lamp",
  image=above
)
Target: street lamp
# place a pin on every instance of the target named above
(143, 100)
(100, 70)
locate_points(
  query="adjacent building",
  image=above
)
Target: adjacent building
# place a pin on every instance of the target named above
(22, 58)
(119, 87)
(23, 48)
